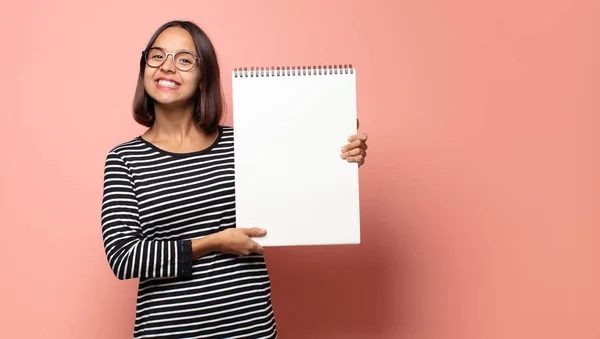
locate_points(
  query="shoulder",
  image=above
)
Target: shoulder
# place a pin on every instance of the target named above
(122, 149)
(227, 129)
(226, 132)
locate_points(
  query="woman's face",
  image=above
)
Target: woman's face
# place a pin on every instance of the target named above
(166, 84)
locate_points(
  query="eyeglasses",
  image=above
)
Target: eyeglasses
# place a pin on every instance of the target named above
(156, 57)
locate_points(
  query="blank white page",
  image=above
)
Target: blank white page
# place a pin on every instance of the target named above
(289, 176)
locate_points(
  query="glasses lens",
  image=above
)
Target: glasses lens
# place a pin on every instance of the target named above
(185, 61)
(155, 57)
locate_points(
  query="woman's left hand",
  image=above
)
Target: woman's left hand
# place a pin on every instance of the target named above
(356, 149)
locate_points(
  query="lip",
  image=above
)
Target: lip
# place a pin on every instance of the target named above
(164, 88)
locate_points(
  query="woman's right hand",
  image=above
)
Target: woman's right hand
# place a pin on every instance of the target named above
(238, 240)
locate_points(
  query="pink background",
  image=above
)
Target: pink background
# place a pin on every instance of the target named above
(479, 197)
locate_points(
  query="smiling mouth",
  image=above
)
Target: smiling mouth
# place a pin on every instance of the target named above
(167, 83)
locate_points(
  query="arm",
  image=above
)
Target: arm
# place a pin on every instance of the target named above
(129, 254)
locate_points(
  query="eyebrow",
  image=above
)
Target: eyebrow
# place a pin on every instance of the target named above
(180, 50)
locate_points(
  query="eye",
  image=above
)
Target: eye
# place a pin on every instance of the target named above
(184, 58)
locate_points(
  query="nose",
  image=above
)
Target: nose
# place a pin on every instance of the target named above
(168, 65)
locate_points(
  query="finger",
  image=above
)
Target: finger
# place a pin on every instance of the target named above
(254, 231)
(258, 249)
(360, 159)
(363, 144)
(353, 152)
(354, 144)
(360, 136)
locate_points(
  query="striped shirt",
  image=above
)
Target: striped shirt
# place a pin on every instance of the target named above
(154, 203)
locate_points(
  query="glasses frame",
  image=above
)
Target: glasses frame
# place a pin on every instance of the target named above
(146, 52)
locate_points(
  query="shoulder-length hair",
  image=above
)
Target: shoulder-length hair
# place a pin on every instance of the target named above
(208, 106)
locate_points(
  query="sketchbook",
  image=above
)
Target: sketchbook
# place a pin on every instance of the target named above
(290, 124)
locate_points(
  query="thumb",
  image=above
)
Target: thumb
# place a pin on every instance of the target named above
(255, 231)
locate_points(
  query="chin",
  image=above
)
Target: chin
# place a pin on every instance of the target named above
(164, 100)
(169, 102)
(170, 98)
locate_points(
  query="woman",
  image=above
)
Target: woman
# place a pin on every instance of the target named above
(168, 212)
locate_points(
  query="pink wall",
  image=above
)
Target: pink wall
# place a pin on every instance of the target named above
(479, 197)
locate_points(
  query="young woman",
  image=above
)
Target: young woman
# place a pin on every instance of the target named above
(168, 211)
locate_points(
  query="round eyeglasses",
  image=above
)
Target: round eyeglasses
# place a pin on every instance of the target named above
(156, 57)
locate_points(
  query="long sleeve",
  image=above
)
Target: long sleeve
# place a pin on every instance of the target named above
(129, 254)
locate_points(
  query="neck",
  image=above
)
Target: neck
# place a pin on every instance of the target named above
(174, 123)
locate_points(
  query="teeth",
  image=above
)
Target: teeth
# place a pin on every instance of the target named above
(167, 83)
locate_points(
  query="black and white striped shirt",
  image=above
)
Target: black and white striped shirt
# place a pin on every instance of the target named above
(154, 203)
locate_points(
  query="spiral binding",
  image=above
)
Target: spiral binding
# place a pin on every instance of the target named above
(292, 71)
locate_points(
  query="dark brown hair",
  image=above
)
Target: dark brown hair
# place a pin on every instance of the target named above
(209, 97)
